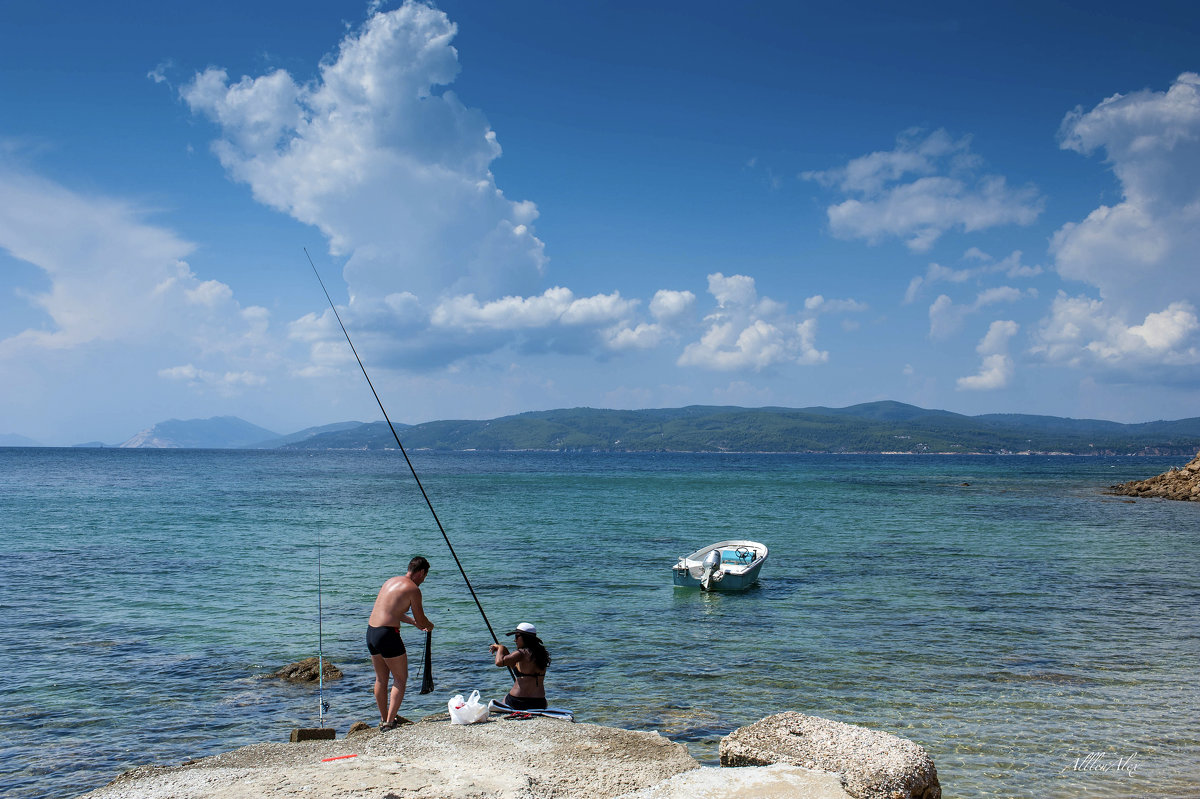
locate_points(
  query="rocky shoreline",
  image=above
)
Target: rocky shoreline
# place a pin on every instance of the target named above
(1178, 484)
(793, 755)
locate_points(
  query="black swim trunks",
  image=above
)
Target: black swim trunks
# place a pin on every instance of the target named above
(524, 703)
(385, 641)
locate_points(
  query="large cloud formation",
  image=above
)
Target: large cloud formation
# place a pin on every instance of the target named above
(394, 169)
(1142, 254)
(115, 279)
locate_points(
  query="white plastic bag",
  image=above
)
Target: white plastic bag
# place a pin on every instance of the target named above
(468, 712)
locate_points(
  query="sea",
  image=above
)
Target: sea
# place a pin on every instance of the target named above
(1036, 635)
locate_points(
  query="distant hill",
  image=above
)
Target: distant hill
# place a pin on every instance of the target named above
(219, 432)
(369, 435)
(870, 427)
(14, 440)
(306, 433)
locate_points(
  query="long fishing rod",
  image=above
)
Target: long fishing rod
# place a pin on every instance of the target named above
(403, 451)
(323, 706)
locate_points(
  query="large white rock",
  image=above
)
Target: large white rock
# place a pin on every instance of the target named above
(869, 763)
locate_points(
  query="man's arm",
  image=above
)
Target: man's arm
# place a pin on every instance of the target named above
(420, 620)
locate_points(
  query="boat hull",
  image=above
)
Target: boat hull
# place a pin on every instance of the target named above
(728, 583)
(741, 563)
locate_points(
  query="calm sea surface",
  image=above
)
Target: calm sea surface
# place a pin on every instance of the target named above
(1026, 629)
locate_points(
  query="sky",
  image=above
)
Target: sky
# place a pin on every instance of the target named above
(526, 205)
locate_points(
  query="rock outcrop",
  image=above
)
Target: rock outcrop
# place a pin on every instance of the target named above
(1181, 484)
(803, 757)
(307, 670)
(498, 759)
(871, 764)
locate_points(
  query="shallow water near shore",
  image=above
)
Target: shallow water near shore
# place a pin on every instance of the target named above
(1036, 636)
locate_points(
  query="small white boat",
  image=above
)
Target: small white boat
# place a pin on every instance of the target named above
(723, 566)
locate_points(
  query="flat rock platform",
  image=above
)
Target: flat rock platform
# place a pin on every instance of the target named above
(502, 758)
(499, 758)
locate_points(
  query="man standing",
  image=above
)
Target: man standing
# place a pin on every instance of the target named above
(399, 600)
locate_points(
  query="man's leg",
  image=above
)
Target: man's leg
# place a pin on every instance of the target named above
(398, 666)
(381, 685)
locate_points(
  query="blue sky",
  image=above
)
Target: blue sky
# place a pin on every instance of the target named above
(530, 205)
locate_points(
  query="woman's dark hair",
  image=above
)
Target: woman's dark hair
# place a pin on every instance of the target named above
(541, 657)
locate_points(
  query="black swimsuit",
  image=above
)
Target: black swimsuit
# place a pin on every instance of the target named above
(385, 641)
(527, 702)
(539, 675)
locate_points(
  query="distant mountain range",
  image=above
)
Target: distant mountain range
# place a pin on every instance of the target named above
(868, 428)
(871, 427)
(219, 432)
(14, 440)
(309, 432)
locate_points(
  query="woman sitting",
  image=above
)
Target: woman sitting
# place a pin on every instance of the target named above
(528, 661)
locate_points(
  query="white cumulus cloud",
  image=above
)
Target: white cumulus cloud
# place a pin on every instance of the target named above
(996, 368)
(224, 383)
(917, 192)
(557, 305)
(821, 304)
(389, 164)
(1144, 252)
(746, 332)
(1083, 331)
(946, 317)
(671, 311)
(1011, 267)
(381, 156)
(667, 304)
(643, 336)
(113, 277)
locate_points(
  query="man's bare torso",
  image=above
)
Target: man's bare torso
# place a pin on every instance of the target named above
(394, 602)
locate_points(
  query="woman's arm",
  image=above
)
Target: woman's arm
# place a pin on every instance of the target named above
(504, 657)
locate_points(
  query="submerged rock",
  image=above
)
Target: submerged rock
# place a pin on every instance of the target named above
(872, 764)
(307, 671)
(1180, 484)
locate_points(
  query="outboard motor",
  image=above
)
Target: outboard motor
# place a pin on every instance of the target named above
(711, 569)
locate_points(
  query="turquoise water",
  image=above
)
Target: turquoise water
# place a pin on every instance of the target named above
(1014, 627)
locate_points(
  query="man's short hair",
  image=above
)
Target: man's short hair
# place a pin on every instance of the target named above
(418, 564)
